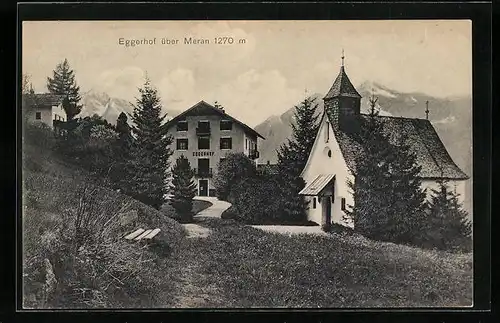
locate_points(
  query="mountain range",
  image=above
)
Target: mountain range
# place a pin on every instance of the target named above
(100, 103)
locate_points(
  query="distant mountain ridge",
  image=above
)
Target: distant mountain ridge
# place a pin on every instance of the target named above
(449, 116)
(100, 103)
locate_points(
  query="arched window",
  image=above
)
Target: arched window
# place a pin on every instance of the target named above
(328, 152)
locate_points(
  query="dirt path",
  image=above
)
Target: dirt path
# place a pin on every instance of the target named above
(213, 211)
(191, 289)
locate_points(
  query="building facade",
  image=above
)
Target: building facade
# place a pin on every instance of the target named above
(205, 134)
(338, 144)
(43, 108)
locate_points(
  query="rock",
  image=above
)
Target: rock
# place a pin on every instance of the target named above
(129, 217)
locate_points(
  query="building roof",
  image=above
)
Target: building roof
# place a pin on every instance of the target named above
(342, 87)
(203, 108)
(317, 185)
(419, 134)
(43, 99)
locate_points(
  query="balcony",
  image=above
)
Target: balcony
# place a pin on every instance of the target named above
(254, 154)
(203, 172)
(203, 131)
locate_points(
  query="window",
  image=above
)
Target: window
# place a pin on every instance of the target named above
(314, 202)
(330, 154)
(203, 165)
(204, 125)
(226, 143)
(203, 142)
(182, 144)
(38, 116)
(182, 125)
(226, 125)
(246, 143)
(342, 204)
(327, 132)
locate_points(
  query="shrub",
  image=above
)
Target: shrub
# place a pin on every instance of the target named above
(38, 134)
(229, 214)
(234, 168)
(257, 200)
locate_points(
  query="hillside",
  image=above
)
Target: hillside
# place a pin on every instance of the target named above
(60, 203)
(451, 117)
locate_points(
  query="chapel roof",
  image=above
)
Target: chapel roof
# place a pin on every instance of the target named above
(419, 134)
(342, 87)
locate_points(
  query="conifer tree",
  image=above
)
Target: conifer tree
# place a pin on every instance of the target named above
(449, 227)
(151, 149)
(292, 157)
(388, 199)
(63, 83)
(122, 170)
(183, 189)
(124, 133)
(372, 183)
(407, 219)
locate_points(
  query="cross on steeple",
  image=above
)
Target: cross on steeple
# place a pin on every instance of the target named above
(427, 110)
(343, 57)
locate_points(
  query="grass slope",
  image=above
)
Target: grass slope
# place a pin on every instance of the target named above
(53, 188)
(239, 266)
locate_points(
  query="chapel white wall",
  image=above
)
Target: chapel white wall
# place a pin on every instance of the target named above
(320, 163)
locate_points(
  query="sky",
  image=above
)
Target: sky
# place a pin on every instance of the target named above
(276, 65)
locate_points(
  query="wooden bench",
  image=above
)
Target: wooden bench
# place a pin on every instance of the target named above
(141, 234)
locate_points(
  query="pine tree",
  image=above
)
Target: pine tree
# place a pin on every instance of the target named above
(372, 183)
(124, 133)
(183, 189)
(63, 83)
(407, 219)
(151, 149)
(122, 171)
(448, 225)
(388, 198)
(292, 157)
